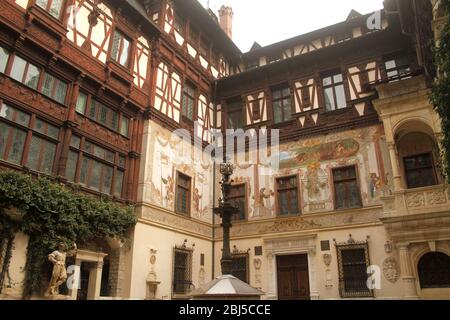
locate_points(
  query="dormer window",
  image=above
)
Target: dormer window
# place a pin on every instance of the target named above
(54, 7)
(120, 50)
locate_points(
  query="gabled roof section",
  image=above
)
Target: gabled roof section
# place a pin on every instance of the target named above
(137, 9)
(255, 46)
(353, 14)
(210, 26)
(329, 30)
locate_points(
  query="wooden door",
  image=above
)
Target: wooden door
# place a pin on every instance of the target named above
(293, 277)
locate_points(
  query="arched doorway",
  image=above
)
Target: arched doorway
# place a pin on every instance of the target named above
(434, 271)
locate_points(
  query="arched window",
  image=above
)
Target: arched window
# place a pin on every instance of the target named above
(434, 270)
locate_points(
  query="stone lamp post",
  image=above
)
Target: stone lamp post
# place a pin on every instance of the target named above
(226, 211)
(226, 287)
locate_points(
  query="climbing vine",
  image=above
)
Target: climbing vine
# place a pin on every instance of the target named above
(51, 213)
(440, 96)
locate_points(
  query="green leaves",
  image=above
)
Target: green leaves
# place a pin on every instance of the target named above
(54, 213)
(440, 95)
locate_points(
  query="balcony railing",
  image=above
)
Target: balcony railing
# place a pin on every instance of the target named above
(434, 199)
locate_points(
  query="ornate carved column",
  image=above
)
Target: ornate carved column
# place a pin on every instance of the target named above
(395, 166)
(407, 274)
(313, 282)
(95, 281)
(271, 279)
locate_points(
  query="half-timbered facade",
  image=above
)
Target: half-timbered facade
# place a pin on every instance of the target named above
(75, 86)
(91, 92)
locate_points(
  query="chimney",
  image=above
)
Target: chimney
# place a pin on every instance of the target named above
(226, 20)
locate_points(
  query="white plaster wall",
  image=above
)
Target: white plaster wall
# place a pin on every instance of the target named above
(148, 237)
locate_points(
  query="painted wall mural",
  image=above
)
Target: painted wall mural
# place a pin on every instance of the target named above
(166, 157)
(313, 160)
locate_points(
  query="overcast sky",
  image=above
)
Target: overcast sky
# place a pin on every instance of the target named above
(269, 21)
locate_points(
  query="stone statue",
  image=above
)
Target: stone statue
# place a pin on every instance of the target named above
(59, 274)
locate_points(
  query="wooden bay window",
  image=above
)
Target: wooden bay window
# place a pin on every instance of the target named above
(95, 167)
(98, 112)
(15, 127)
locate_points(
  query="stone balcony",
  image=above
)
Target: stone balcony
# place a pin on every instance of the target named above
(412, 202)
(418, 215)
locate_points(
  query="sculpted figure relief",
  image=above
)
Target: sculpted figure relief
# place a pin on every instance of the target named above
(59, 274)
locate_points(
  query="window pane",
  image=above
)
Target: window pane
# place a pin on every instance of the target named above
(329, 100)
(75, 142)
(47, 86)
(4, 129)
(81, 103)
(355, 196)
(18, 69)
(340, 96)
(125, 52)
(122, 160)
(71, 166)
(283, 203)
(4, 55)
(118, 182)
(60, 92)
(327, 81)
(22, 118)
(114, 120)
(124, 126)
(94, 179)
(116, 46)
(55, 8)
(15, 154)
(41, 148)
(340, 195)
(84, 170)
(42, 4)
(287, 110)
(92, 110)
(33, 155)
(32, 76)
(103, 115)
(107, 179)
(338, 78)
(52, 131)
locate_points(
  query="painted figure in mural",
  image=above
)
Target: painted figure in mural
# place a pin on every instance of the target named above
(315, 183)
(59, 274)
(375, 186)
(197, 197)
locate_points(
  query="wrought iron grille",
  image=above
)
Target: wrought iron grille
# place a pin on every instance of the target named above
(353, 261)
(240, 266)
(182, 271)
